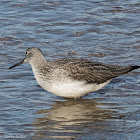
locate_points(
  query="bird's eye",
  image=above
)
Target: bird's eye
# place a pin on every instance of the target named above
(26, 52)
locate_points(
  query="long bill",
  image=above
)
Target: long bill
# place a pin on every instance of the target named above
(19, 63)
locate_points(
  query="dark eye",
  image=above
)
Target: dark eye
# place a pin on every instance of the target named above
(26, 52)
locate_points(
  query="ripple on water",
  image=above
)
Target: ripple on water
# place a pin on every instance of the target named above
(106, 31)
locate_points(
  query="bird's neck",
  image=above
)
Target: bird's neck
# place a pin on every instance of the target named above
(38, 63)
(40, 68)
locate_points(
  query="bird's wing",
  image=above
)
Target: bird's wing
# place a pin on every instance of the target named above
(92, 72)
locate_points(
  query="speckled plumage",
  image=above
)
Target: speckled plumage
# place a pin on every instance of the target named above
(71, 77)
(91, 72)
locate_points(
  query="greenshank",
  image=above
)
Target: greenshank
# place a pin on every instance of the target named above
(71, 77)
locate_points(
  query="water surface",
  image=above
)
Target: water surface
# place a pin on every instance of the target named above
(105, 31)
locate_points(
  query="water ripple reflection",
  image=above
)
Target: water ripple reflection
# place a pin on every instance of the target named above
(72, 118)
(105, 30)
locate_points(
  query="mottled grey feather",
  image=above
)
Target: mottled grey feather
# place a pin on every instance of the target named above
(65, 77)
(91, 72)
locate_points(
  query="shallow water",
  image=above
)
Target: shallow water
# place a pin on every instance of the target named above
(106, 31)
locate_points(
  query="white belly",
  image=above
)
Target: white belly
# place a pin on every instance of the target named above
(73, 89)
(69, 88)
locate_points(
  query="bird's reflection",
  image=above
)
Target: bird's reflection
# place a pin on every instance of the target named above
(71, 118)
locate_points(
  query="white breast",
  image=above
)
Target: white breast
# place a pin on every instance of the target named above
(74, 89)
(69, 88)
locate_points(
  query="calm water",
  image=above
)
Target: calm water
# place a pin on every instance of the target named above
(105, 30)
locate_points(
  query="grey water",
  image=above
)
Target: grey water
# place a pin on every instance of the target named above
(102, 30)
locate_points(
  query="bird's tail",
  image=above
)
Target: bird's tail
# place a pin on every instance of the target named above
(125, 70)
(134, 67)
